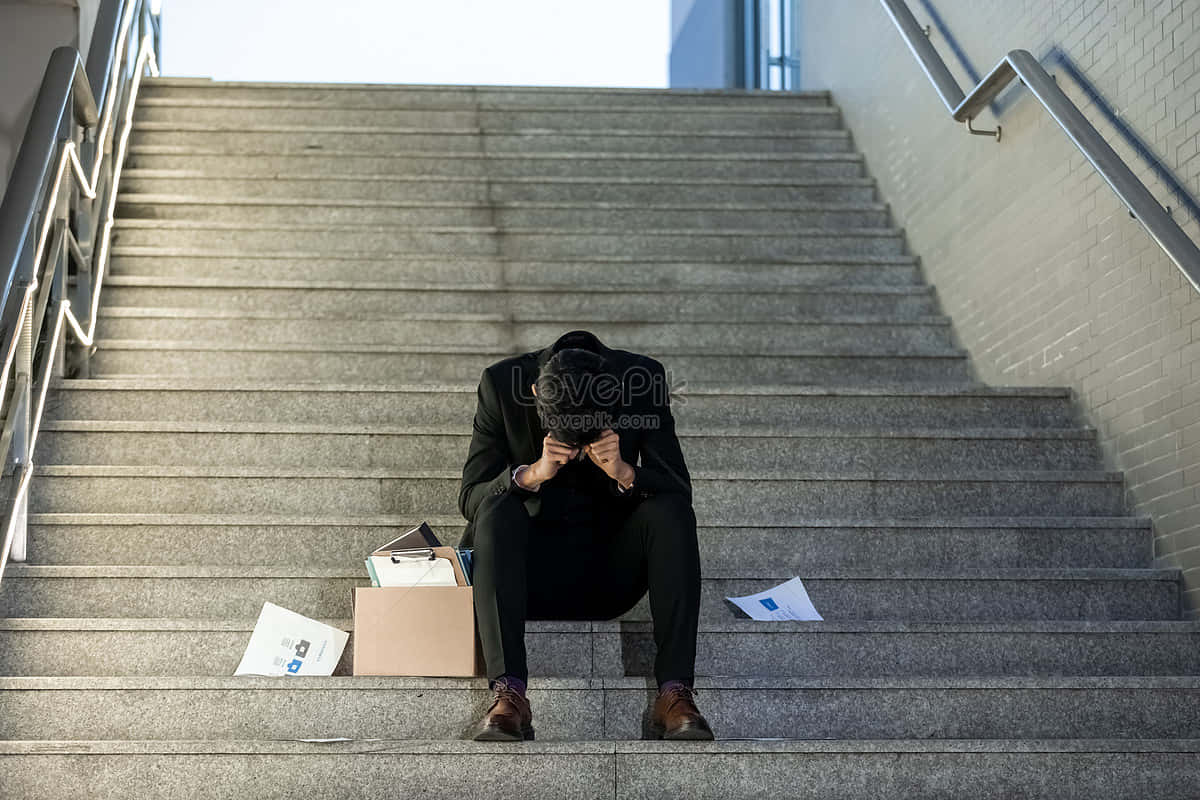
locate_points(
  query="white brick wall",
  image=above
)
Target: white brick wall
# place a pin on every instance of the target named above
(1047, 278)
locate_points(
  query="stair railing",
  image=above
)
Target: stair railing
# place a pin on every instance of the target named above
(55, 227)
(1021, 65)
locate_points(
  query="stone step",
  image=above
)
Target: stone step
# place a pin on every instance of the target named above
(344, 164)
(760, 118)
(987, 769)
(406, 212)
(613, 302)
(486, 97)
(697, 404)
(384, 143)
(754, 498)
(123, 357)
(201, 91)
(183, 647)
(749, 244)
(970, 596)
(778, 450)
(497, 331)
(359, 707)
(915, 544)
(480, 189)
(272, 267)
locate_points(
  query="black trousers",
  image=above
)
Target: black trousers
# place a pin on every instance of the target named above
(593, 568)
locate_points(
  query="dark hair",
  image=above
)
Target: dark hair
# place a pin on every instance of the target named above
(576, 393)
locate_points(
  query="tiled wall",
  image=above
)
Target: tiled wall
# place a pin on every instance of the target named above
(1047, 278)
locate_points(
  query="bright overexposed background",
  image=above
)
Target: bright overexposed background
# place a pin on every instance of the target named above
(527, 42)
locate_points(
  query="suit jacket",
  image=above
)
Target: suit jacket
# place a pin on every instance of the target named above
(507, 432)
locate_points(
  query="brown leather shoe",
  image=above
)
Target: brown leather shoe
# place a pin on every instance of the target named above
(675, 716)
(508, 718)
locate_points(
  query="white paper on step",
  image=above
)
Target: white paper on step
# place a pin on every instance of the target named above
(788, 600)
(287, 643)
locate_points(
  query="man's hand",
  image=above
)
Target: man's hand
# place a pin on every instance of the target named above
(554, 455)
(605, 453)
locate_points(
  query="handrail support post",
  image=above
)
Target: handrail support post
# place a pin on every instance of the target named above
(21, 405)
(58, 293)
(980, 132)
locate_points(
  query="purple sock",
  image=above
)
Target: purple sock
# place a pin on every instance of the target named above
(513, 682)
(668, 685)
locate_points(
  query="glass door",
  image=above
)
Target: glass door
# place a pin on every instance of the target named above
(768, 43)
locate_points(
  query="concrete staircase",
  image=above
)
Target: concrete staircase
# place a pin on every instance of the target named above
(307, 281)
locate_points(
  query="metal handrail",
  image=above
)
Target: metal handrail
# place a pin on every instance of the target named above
(49, 223)
(1022, 65)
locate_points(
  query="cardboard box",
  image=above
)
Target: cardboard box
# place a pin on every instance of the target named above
(424, 631)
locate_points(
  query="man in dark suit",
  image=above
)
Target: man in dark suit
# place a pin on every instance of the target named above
(566, 524)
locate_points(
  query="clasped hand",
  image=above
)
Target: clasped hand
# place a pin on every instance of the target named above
(605, 452)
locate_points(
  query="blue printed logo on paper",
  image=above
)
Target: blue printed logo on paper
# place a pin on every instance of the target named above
(294, 665)
(770, 604)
